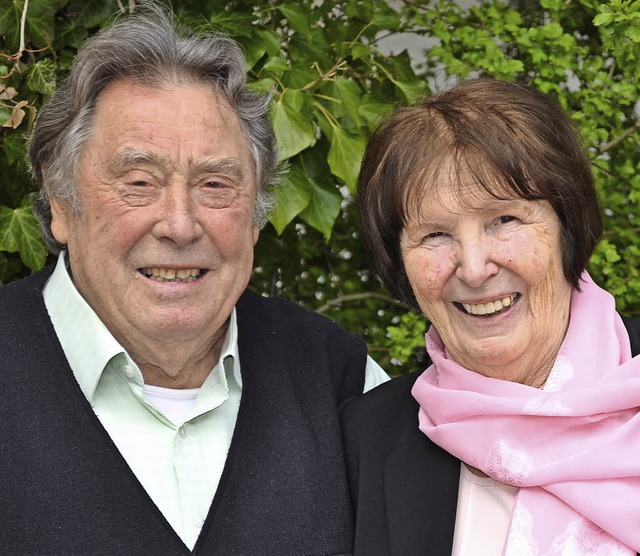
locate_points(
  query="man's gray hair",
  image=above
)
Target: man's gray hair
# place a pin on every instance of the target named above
(146, 49)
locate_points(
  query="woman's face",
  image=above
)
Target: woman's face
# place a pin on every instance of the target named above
(488, 275)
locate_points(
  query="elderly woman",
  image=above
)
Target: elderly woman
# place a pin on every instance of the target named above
(522, 437)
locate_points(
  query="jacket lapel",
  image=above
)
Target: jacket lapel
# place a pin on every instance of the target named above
(421, 494)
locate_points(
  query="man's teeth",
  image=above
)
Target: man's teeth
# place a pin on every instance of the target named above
(489, 308)
(172, 275)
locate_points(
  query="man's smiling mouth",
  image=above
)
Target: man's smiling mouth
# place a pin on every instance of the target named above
(490, 308)
(173, 275)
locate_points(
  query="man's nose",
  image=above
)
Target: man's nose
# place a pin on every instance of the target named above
(177, 219)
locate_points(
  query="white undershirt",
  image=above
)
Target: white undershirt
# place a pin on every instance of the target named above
(483, 515)
(176, 405)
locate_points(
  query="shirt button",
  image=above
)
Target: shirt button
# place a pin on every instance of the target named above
(182, 432)
(128, 370)
(198, 520)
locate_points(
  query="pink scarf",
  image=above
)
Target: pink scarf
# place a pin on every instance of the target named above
(573, 449)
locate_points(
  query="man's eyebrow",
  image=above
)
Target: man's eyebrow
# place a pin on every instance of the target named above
(126, 158)
(211, 165)
(230, 166)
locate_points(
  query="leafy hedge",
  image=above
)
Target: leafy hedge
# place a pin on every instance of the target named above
(332, 77)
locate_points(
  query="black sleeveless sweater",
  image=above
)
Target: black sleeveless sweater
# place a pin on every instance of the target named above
(66, 490)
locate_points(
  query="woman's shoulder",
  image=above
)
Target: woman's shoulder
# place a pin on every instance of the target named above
(385, 410)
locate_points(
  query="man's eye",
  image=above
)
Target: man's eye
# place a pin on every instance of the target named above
(506, 219)
(215, 184)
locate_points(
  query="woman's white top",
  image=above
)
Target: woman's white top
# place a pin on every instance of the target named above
(483, 516)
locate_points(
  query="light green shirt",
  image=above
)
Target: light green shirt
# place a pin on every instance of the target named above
(173, 440)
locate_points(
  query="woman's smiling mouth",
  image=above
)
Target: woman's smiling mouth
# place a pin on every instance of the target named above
(490, 308)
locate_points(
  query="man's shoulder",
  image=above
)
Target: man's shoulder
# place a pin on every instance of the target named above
(16, 296)
(281, 312)
(24, 324)
(29, 284)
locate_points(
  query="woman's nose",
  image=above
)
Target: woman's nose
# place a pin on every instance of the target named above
(475, 261)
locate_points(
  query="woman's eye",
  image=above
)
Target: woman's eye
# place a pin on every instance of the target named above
(506, 219)
(434, 236)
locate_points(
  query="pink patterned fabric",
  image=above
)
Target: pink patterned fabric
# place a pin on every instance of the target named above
(573, 449)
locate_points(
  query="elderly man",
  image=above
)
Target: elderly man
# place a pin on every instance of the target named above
(149, 403)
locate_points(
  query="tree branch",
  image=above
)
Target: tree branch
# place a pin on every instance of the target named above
(617, 140)
(340, 65)
(16, 57)
(23, 24)
(358, 297)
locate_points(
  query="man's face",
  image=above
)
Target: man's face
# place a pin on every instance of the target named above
(163, 247)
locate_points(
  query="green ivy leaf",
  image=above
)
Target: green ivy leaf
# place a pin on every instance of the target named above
(373, 112)
(265, 85)
(42, 76)
(10, 13)
(413, 90)
(14, 147)
(292, 198)
(323, 208)
(349, 94)
(269, 249)
(305, 52)
(345, 156)
(361, 51)
(385, 17)
(20, 232)
(5, 114)
(276, 66)
(69, 34)
(90, 13)
(261, 43)
(39, 26)
(297, 17)
(294, 131)
(298, 76)
(232, 23)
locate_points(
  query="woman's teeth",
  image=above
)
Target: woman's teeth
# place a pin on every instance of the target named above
(491, 307)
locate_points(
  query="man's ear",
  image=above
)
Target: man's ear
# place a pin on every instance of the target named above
(60, 221)
(256, 234)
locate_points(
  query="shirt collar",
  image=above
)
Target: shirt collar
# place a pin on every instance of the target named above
(88, 344)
